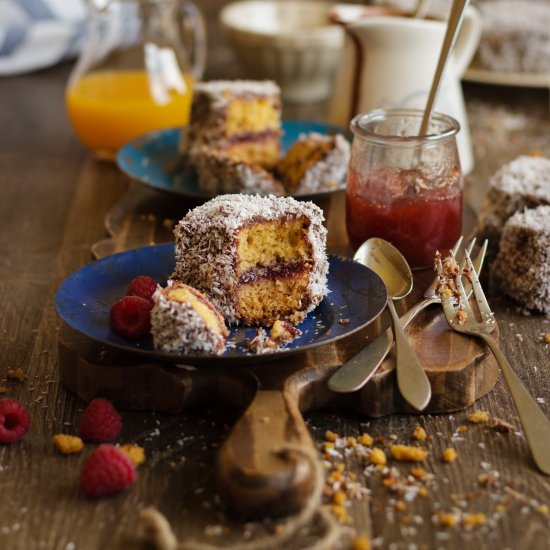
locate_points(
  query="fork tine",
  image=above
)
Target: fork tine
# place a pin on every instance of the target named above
(480, 258)
(463, 299)
(457, 245)
(484, 308)
(448, 308)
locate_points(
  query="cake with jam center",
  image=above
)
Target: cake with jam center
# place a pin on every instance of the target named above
(183, 320)
(242, 118)
(258, 259)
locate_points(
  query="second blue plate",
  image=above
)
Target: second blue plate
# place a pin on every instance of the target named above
(155, 161)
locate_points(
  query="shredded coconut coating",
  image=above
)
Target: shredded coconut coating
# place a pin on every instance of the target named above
(522, 267)
(221, 92)
(178, 328)
(522, 183)
(218, 173)
(206, 247)
(516, 36)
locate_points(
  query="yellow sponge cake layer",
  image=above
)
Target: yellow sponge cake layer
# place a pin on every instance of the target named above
(262, 151)
(256, 115)
(265, 300)
(263, 244)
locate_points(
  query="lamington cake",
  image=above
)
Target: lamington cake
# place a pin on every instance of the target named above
(218, 173)
(515, 36)
(314, 162)
(522, 183)
(522, 266)
(258, 259)
(240, 117)
(183, 320)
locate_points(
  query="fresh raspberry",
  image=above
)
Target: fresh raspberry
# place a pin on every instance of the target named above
(131, 317)
(100, 422)
(14, 420)
(106, 471)
(142, 286)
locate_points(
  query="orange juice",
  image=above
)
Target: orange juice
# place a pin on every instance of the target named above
(110, 108)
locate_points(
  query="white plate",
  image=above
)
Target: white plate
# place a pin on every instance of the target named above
(522, 80)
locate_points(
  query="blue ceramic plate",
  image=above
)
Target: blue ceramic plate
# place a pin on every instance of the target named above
(154, 159)
(84, 299)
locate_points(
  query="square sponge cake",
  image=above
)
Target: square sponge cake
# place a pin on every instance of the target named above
(258, 259)
(242, 118)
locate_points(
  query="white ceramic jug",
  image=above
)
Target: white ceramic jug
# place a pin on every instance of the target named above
(389, 61)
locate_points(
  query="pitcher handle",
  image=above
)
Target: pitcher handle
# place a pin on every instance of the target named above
(468, 40)
(198, 58)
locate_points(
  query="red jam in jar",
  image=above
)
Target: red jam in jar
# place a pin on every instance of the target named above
(402, 187)
(416, 224)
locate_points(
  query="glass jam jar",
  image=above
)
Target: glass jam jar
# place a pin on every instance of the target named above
(402, 187)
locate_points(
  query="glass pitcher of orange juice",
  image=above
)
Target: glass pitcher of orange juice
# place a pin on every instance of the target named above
(136, 71)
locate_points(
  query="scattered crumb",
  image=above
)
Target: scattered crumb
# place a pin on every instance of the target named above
(474, 520)
(16, 374)
(365, 439)
(447, 519)
(449, 455)
(3, 389)
(331, 436)
(420, 433)
(547, 337)
(478, 417)
(343, 321)
(408, 453)
(378, 457)
(68, 444)
(362, 542)
(501, 426)
(134, 452)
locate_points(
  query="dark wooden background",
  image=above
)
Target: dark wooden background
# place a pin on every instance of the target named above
(53, 202)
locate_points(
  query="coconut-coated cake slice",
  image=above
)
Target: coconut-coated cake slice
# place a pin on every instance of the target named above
(258, 259)
(183, 320)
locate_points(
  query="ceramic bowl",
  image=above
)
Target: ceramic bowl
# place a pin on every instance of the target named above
(291, 42)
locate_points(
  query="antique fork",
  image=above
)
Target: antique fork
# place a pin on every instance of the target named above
(356, 372)
(462, 319)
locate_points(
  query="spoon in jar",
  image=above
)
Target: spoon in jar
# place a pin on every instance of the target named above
(390, 265)
(454, 23)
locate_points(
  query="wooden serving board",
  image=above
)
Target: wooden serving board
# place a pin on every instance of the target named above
(255, 479)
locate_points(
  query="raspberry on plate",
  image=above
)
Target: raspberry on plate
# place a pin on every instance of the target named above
(142, 286)
(131, 317)
(106, 471)
(100, 422)
(14, 420)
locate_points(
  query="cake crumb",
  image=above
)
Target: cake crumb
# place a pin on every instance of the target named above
(365, 439)
(331, 436)
(449, 455)
(16, 374)
(3, 389)
(134, 452)
(419, 433)
(68, 444)
(345, 321)
(447, 519)
(408, 453)
(378, 457)
(474, 520)
(478, 417)
(362, 542)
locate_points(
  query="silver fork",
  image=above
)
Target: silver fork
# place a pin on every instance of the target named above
(535, 424)
(358, 370)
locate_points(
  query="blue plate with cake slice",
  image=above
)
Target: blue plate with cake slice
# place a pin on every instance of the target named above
(155, 160)
(357, 296)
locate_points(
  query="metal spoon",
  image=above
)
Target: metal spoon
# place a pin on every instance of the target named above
(390, 265)
(454, 23)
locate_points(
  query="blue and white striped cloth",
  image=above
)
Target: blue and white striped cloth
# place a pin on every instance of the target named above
(38, 33)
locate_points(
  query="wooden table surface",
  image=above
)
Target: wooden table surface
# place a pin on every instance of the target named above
(54, 198)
